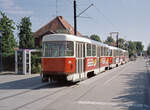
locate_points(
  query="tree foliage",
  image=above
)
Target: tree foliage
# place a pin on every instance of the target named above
(148, 49)
(25, 35)
(8, 40)
(131, 48)
(110, 41)
(139, 47)
(121, 43)
(95, 37)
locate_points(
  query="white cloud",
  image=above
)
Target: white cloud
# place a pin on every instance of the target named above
(10, 7)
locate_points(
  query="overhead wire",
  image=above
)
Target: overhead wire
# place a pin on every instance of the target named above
(98, 11)
(106, 18)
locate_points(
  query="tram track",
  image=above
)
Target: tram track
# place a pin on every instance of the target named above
(95, 85)
(60, 90)
(48, 85)
(21, 93)
(48, 95)
(92, 86)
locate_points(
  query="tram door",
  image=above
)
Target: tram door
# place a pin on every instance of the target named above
(80, 56)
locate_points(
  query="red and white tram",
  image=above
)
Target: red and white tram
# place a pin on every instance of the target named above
(72, 58)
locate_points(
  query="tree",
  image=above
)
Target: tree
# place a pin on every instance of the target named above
(131, 48)
(110, 41)
(95, 37)
(148, 49)
(25, 35)
(139, 47)
(121, 43)
(8, 40)
(126, 45)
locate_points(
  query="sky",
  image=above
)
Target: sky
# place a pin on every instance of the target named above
(131, 18)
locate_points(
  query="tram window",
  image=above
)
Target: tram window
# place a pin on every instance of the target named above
(93, 50)
(88, 49)
(102, 51)
(105, 51)
(109, 52)
(98, 51)
(117, 53)
(69, 49)
(56, 49)
(114, 52)
(45, 45)
(83, 50)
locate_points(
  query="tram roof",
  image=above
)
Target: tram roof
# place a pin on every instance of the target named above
(66, 37)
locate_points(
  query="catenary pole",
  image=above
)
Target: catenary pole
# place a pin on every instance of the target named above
(75, 18)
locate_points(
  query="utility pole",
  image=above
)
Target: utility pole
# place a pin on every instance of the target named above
(117, 39)
(75, 18)
(117, 34)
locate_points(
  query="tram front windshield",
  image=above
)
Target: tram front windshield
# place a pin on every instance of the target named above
(58, 48)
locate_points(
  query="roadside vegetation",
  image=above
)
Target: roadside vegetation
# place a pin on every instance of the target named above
(148, 50)
(9, 42)
(135, 48)
(7, 26)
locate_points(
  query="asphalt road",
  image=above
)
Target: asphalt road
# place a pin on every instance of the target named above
(122, 88)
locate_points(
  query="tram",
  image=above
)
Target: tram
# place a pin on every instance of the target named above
(72, 58)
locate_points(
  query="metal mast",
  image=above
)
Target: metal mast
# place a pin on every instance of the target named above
(75, 18)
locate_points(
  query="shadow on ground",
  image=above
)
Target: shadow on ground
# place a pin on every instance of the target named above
(134, 97)
(31, 83)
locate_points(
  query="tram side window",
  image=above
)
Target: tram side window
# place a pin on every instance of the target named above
(93, 50)
(98, 51)
(45, 53)
(102, 51)
(115, 53)
(109, 52)
(69, 49)
(105, 51)
(88, 49)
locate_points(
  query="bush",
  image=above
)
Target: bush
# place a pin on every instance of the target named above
(36, 63)
(8, 63)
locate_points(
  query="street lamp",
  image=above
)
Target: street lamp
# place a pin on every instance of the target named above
(0, 50)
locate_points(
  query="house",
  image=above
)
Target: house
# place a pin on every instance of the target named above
(57, 25)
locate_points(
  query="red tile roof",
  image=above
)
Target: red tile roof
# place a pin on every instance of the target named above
(57, 23)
